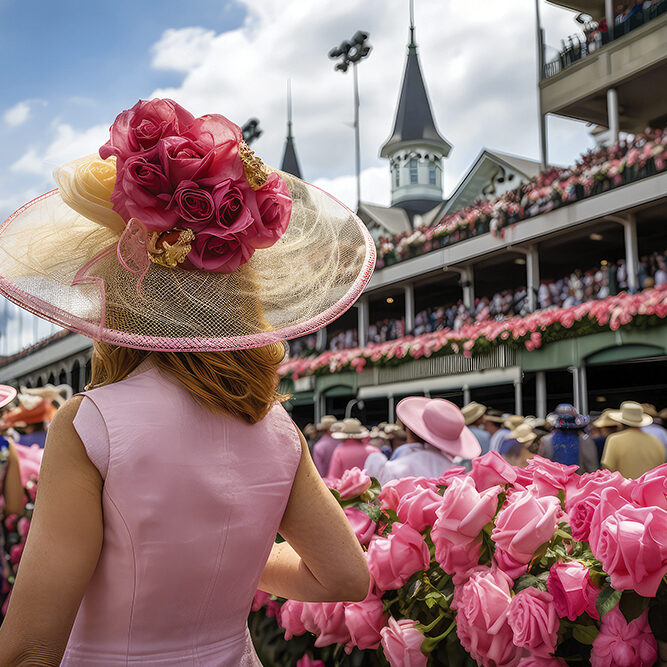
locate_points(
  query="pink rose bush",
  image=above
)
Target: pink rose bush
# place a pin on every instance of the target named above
(176, 172)
(490, 564)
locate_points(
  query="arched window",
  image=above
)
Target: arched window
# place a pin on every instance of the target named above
(414, 167)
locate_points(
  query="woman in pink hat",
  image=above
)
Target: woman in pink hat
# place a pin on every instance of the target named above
(436, 435)
(189, 262)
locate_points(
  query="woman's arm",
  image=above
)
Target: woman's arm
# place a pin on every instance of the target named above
(61, 552)
(321, 561)
(13, 491)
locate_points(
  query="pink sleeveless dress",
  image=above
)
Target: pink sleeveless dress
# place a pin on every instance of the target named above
(192, 502)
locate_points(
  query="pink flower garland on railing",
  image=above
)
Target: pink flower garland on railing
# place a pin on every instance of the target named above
(530, 332)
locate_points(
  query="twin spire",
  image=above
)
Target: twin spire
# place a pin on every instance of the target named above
(290, 162)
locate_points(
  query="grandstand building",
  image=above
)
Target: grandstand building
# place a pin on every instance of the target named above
(512, 226)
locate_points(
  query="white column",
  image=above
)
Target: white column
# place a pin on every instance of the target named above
(518, 398)
(362, 320)
(318, 407)
(541, 116)
(409, 291)
(532, 277)
(576, 387)
(631, 252)
(468, 286)
(609, 14)
(541, 394)
(466, 394)
(583, 391)
(612, 114)
(391, 412)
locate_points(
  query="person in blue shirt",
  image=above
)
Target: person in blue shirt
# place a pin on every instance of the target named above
(474, 414)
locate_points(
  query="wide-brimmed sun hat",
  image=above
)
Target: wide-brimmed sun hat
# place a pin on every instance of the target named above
(472, 412)
(650, 410)
(178, 238)
(326, 423)
(512, 421)
(352, 429)
(523, 434)
(631, 414)
(604, 420)
(439, 423)
(7, 395)
(566, 417)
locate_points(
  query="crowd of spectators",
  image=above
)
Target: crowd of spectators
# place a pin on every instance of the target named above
(595, 171)
(607, 279)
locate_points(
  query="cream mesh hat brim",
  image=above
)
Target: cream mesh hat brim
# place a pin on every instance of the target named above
(62, 266)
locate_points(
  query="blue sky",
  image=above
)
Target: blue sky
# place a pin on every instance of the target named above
(71, 66)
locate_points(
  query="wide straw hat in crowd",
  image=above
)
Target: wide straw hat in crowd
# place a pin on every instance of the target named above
(631, 414)
(523, 433)
(605, 421)
(439, 423)
(7, 395)
(352, 429)
(650, 410)
(512, 421)
(472, 412)
(494, 416)
(326, 423)
(176, 237)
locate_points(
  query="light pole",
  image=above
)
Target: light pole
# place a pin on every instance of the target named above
(251, 131)
(350, 53)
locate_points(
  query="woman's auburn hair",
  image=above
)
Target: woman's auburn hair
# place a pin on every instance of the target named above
(239, 383)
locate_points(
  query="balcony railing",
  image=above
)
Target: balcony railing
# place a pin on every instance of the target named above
(579, 46)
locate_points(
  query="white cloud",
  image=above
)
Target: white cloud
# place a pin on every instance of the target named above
(375, 186)
(17, 115)
(67, 144)
(479, 67)
(182, 50)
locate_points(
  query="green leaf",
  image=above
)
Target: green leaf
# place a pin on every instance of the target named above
(632, 605)
(607, 599)
(585, 634)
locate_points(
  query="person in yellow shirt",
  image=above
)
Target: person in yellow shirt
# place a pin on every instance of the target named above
(632, 451)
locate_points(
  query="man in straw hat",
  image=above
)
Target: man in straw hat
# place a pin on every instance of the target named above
(518, 447)
(603, 427)
(632, 452)
(324, 447)
(474, 416)
(354, 449)
(436, 435)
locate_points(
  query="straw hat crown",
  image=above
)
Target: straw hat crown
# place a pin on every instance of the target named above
(472, 412)
(352, 429)
(631, 414)
(523, 433)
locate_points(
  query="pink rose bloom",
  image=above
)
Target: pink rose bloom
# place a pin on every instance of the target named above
(509, 565)
(194, 205)
(362, 525)
(622, 644)
(394, 559)
(23, 526)
(449, 474)
(259, 600)
(211, 252)
(401, 643)
(364, 621)
(550, 477)
(10, 522)
(353, 483)
(525, 524)
(594, 483)
(462, 514)
(273, 609)
(650, 489)
(140, 128)
(306, 661)
(631, 544)
(329, 617)
(541, 661)
(290, 618)
(418, 508)
(275, 208)
(491, 470)
(572, 590)
(534, 621)
(393, 491)
(482, 606)
(581, 516)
